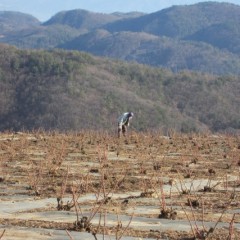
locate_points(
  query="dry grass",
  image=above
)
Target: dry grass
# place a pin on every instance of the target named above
(183, 177)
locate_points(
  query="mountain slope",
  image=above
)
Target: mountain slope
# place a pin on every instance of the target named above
(223, 36)
(85, 20)
(11, 21)
(69, 90)
(157, 51)
(201, 37)
(41, 37)
(180, 21)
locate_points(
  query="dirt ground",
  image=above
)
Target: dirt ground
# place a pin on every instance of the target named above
(92, 185)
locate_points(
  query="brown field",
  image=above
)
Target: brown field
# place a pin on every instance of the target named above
(91, 185)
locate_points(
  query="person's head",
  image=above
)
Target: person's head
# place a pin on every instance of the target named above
(130, 114)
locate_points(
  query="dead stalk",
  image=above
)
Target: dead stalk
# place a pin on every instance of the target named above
(64, 183)
(118, 233)
(70, 236)
(231, 228)
(190, 222)
(203, 212)
(2, 233)
(76, 206)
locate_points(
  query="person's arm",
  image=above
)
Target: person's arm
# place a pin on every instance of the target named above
(128, 121)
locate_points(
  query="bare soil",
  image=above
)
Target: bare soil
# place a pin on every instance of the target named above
(91, 184)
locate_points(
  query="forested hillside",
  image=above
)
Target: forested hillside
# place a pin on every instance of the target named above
(15, 21)
(69, 90)
(201, 37)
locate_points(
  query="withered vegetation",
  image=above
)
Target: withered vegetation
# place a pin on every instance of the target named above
(191, 177)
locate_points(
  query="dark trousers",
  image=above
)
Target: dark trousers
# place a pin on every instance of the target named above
(122, 129)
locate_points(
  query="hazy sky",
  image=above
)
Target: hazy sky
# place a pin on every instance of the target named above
(44, 9)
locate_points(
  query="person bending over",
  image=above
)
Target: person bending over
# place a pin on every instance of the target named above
(123, 123)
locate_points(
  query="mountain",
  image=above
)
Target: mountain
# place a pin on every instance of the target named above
(181, 31)
(41, 37)
(71, 90)
(14, 21)
(85, 20)
(156, 51)
(180, 21)
(61, 28)
(201, 37)
(222, 35)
